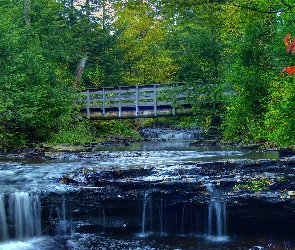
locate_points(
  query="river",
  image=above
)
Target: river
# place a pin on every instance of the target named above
(149, 195)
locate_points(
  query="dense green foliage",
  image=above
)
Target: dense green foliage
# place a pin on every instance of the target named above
(35, 83)
(214, 47)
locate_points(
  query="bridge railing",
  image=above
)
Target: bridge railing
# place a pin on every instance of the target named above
(155, 96)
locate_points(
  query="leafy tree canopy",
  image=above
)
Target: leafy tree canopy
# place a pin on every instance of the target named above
(230, 52)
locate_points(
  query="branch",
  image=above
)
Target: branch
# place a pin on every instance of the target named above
(288, 7)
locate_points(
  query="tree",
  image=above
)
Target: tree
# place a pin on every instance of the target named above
(280, 122)
(36, 81)
(142, 40)
(249, 75)
(196, 40)
(290, 47)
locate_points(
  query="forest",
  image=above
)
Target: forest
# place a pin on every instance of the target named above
(241, 47)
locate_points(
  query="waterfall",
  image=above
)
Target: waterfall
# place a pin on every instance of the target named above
(160, 209)
(162, 213)
(217, 219)
(102, 218)
(24, 215)
(166, 133)
(182, 219)
(3, 221)
(217, 225)
(64, 225)
(146, 199)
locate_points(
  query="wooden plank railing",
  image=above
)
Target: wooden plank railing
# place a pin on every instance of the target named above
(153, 97)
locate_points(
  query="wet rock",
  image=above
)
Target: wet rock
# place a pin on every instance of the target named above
(286, 152)
(203, 142)
(169, 133)
(254, 146)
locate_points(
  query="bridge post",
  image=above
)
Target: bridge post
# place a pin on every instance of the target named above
(120, 103)
(103, 103)
(173, 102)
(88, 104)
(137, 101)
(155, 100)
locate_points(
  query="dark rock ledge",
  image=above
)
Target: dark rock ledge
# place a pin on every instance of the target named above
(236, 181)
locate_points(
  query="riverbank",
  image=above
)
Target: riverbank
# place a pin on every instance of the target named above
(52, 151)
(47, 151)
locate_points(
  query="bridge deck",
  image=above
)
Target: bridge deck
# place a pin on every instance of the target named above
(155, 100)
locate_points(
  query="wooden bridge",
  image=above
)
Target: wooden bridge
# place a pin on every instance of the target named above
(156, 100)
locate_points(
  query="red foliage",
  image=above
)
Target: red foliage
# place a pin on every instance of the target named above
(290, 70)
(286, 39)
(290, 46)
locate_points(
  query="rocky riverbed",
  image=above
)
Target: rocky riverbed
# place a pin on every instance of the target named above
(174, 198)
(268, 179)
(143, 194)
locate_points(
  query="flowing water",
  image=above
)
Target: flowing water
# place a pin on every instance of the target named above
(41, 209)
(217, 221)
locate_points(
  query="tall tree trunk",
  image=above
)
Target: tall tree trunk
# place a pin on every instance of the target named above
(79, 71)
(27, 7)
(103, 15)
(87, 9)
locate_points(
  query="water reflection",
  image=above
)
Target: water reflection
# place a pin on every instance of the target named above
(202, 152)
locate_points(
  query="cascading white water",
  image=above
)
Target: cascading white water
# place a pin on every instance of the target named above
(216, 217)
(64, 225)
(3, 221)
(24, 215)
(144, 213)
(166, 133)
(182, 219)
(102, 218)
(146, 199)
(161, 209)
